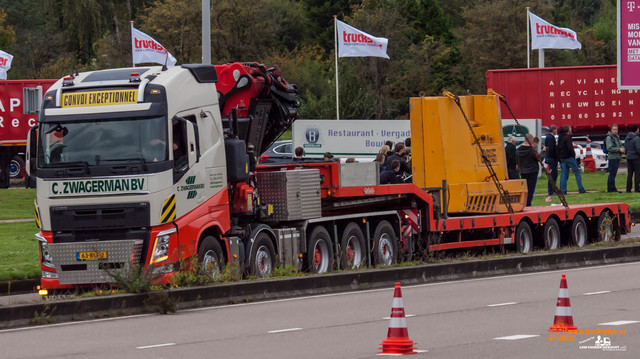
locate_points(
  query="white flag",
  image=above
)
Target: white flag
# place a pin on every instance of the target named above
(5, 64)
(355, 43)
(547, 36)
(145, 49)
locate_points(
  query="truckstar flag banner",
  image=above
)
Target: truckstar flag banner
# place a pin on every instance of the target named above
(5, 64)
(145, 49)
(355, 43)
(547, 36)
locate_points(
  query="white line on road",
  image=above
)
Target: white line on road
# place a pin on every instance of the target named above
(501, 304)
(621, 322)
(283, 330)
(600, 292)
(518, 336)
(406, 316)
(156, 346)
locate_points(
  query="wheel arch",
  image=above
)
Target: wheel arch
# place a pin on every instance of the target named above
(255, 231)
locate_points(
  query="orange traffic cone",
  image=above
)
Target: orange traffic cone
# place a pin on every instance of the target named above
(589, 161)
(563, 320)
(397, 341)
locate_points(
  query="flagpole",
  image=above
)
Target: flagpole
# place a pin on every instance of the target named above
(131, 33)
(335, 31)
(528, 34)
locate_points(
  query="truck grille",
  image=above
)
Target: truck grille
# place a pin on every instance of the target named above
(121, 255)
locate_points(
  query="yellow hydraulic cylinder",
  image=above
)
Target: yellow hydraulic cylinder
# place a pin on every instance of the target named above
(443, 148)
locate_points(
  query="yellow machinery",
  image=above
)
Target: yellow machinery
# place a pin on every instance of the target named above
(444, 149)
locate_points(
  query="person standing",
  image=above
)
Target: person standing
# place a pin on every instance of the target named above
(551, 159)
(567, 157)
(528, 165)
(299, 152)
(392, 174)
(614, 154)
(632, 148)
(512, 159)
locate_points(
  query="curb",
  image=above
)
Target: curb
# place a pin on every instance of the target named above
(56, 311)
(19, 286)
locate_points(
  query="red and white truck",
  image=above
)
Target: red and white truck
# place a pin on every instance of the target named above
(153, 166)
(15, 122)
(585, 97)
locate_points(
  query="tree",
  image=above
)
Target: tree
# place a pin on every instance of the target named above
(495, 36)
(7, 35)
(176, 24)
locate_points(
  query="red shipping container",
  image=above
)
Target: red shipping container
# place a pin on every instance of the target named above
(14, 124)
(585, 97)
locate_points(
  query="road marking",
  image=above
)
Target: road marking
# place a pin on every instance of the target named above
(517, 336)
(156, 346)
(406, 316)
(415, 351)
(283, 330)
(621, 322)
(501, 304)
(601, 292)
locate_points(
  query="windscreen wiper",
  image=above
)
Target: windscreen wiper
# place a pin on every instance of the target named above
(84, 165)
(136, 159)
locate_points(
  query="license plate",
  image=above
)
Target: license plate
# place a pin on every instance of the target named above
(88, 256)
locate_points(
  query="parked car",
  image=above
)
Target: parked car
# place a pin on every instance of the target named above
(278, 152)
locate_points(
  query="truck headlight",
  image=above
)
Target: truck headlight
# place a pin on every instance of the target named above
(161, 246)
(45, 256)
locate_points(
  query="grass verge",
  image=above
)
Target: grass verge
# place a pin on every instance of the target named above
(19, 258)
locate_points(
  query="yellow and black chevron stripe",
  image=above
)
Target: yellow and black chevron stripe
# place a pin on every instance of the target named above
(168, 209)
(35, 207)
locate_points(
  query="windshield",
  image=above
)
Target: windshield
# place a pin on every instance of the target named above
(104, 142)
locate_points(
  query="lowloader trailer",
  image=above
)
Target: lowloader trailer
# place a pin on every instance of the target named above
(155, 166)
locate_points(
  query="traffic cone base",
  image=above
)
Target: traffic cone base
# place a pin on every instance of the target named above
(563, 320)
(397, 342)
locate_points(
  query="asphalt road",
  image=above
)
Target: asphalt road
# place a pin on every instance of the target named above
(461, 319)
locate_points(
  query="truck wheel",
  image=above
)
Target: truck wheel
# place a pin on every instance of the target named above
(606, 229)
(524, 238)
(579, 233)
(551, 234)
(320, 251)
(16, 166)
(352, 247)
(384, 244)
(210, 256)
(263, 256)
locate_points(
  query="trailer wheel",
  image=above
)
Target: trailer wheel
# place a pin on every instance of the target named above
(16, 166)
(352, 247)
(524, 238)
(579, 233)
(551, 234)
(384, 244)
(320, 251)
(263, 256)
(606, 230)
(210, 256)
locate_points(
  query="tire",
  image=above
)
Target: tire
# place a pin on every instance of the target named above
(262, 260)
(320, 251)
(384, 244)
(352, 247)
(606, 230)
(551, 235)
(579, 232)
(16, 167)
(210, 256)
(524, 238)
